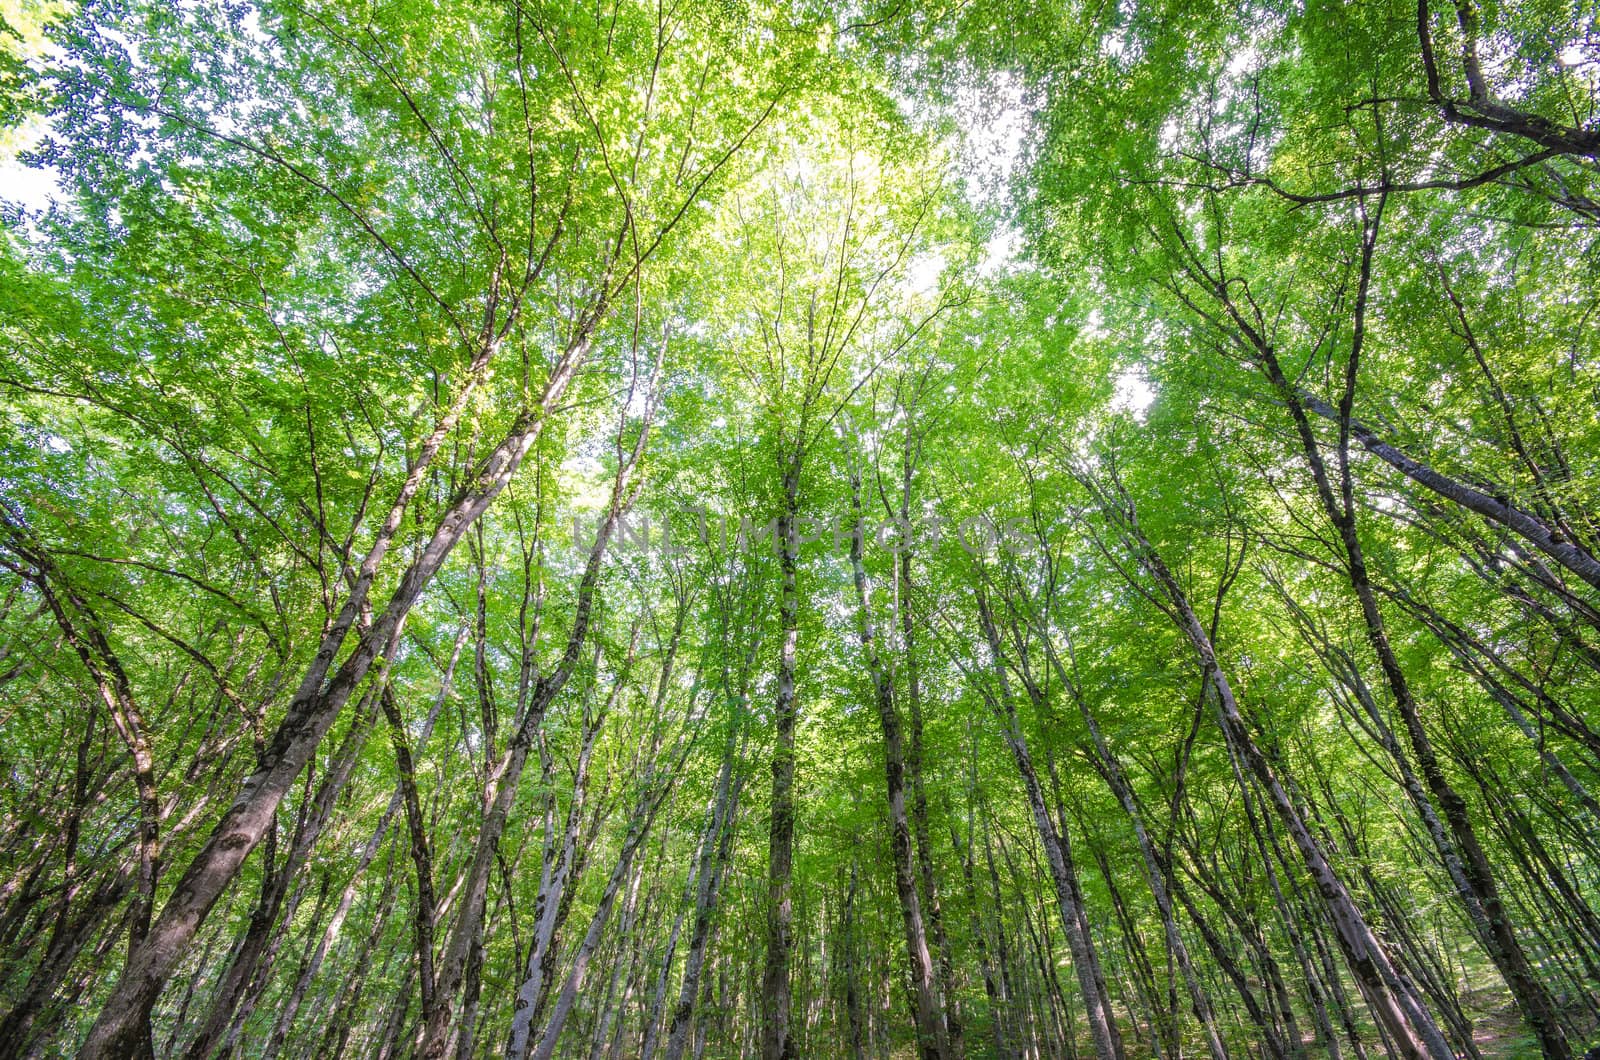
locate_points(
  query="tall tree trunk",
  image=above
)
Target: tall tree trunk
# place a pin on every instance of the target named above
(1111, 768)
(906, 606)
(775, 986)
(856, 1034)
(500, 792)
(405, 794)
(716, 850)
(252, 956)
(614, 1009)
(1394, 1001)
(550, 902)
(655, 1014)
(998, 1002)
(1258, 824)
(655, 788)
(1462, 853)
(84, 632)
(931, 1038)
(1102, 1023)
(315, 705)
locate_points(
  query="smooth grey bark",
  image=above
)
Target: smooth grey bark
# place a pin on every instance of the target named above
(933, 1041)
(655, 786)
(921, 830)
(500, 791)
(555, 877)
(316, 703)
(716, 851)
(1117, 780)
(628, 937)
(559, 862)
(1102, 1023)
(776, 990)
(1459, 848)
(330, 934)
(1393, 1000)
(1499, 509)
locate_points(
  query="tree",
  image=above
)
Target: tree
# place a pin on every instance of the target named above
(716, 530)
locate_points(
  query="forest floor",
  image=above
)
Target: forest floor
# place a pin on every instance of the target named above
(1496, 1027)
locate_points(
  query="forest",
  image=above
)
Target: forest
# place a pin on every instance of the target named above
(918, 529)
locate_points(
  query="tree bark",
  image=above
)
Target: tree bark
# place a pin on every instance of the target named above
(1116, 779)
(775, 987)
(311, 713)
(933, 1043)
(716, 851)
(1102, 1023)
(1462, 853)
(1532, 529)
(1394, 1001)
(501, 790)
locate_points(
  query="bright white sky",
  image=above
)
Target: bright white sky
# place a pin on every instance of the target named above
(31, 189)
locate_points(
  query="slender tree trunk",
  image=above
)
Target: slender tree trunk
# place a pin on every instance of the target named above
(1102, 1023)
(669, 955)
(1463, 855)
(253, 954)
(932, 1041)
(1532, 529)
(654, 793)
(856, 1034)
(1394, 1001)
(1116, 779)
(405, 794)
(628, 937)
(716, 850)
(921, 831)
(998, 1002)
(311, 712)
(548, 904)
(501, 790)
(775, 986)
(1258, 824)
(87, 637)
(71, 932)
